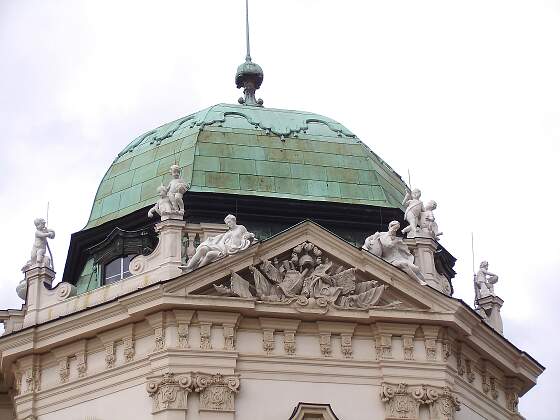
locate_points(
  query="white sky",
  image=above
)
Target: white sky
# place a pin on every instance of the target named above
(464, 94)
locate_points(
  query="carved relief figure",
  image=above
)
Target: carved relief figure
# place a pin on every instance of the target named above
(484, 281)
(236, 239)
(306, 277)
(163, 205)
(176, 188)
(414, 207)
(40, 245)
(428, 221)
(391, 248)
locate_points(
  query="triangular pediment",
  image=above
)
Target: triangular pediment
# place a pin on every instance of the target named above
(308, 268)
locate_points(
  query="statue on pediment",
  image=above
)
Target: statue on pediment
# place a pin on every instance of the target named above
(428, 221)
(391, 248)
(235, 240)
(414, 207)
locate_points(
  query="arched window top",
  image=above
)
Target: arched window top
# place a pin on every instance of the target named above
(310, 411)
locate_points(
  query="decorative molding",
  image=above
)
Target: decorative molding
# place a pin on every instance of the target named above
(217, 391)
(383, 346)
(310, 411)
(459, 357)
(402, 401)
(169, 392)
(157, 322)
(493, 389)
(430, 341)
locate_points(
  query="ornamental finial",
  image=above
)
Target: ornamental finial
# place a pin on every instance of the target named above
(249, 75)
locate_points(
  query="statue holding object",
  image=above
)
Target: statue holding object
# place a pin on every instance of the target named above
(39, 254)
(391, 248)
(427, 220)
(484, 282)
(163, 205)
(414, 207)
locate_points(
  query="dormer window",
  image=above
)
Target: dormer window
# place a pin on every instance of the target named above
(117, 269)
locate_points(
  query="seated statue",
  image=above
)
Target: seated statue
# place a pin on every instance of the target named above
(428, 221)
(39, 254)
(484, 281)
(163, 205)
(414, 207)
(236, 239)
(391, 248)
(176, 188)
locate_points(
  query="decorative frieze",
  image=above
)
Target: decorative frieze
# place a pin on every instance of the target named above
(268, 340)
(110, 357)
(205, 335)
(183, 320)
(81, 364)
(402, 401)
(430, 341)
(469, 371)
(290, 342)
(64, 369)
(32, 376)
(383, 346)
(169, 392)
(229, 337)
(493, 389)
(128, 348)
(346, 345)
(159, 339)
(408, 347)
(217, 391)
(325, 344)
(157, 322)
(459, 357)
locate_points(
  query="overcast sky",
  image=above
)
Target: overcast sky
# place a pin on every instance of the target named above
(464, 94)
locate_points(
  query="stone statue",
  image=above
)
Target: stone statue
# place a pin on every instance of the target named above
(39, 254)
(484, 282)
(236, 239)
(163, 205)
(391, 248)
(414, 207)
(176, 188)
(428, 221)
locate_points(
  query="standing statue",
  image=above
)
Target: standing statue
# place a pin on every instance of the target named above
(176, 188)
(163, 205)
(484, 282)
(236, 239)
(39, 254)
(414, 207)
(428, 221)
(391, 248)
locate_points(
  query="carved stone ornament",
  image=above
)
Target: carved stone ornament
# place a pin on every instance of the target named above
(81, 364)
(110, 356)
(217, 391)
(183, 335)
(169, 392)
(205, 336)
(306, 279)
(290, 342)
(64, 369)
(128, 344)
(268, 340)
(408, 347)
(346, 345)
(32, 379)
(469, 371)
(325, 344)
(402, 401)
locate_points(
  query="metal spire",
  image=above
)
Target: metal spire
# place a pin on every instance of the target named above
(248, 56)
(249, 75)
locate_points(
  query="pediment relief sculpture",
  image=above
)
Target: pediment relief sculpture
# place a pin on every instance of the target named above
(307, 277)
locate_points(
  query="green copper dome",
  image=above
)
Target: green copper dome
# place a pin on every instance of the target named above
(239, 149)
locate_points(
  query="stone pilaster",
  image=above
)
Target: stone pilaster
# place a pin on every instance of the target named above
(37, 277)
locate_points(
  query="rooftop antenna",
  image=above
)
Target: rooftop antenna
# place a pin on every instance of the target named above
(249, 75)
